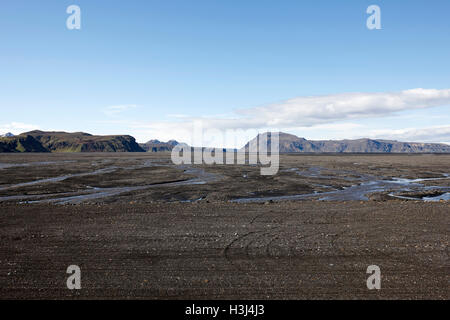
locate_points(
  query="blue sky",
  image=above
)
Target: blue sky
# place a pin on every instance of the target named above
(149, 68)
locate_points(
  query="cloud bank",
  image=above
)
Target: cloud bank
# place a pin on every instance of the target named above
(315, 114)
(315, 110)
(308, 111)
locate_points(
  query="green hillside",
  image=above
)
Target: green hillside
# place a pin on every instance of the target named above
(22, 143)
(41, 141)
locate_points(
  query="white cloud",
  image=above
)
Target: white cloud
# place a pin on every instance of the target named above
(311, 111)
(308, 111)
(428, 134)
(112, 111)
(17, 127)
(332, 127)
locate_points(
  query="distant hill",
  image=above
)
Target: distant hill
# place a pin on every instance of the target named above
(7, 135)
(158, 146)
(294, 144)
(42, 141)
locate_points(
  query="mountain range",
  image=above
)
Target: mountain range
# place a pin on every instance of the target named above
(6, 135)
(290, 143)
(158, 146)
(42, 141)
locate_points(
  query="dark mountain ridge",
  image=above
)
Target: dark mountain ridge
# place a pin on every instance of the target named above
(21, 143)
(158, 146)
(42, 141)
(292, 144)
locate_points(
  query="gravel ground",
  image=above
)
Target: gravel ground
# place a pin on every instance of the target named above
(139, 227)
(286, 250)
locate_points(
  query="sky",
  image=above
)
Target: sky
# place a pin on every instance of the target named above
(162, 69)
